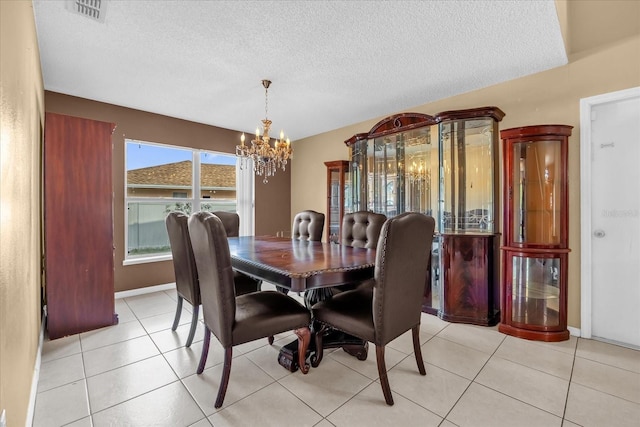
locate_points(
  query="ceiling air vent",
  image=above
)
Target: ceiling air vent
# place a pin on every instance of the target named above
(93, 9)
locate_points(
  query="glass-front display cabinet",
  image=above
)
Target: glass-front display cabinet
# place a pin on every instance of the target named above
(468, 205)
(535, 250)
(443, 166)
(338, 197)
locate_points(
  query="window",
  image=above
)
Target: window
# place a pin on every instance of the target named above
(162, 178)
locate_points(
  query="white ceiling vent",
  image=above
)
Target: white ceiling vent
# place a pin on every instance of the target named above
(93, 9)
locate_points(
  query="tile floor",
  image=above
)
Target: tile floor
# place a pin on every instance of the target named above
(138, 373)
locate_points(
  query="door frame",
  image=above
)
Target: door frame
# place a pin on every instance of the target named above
(586, 106)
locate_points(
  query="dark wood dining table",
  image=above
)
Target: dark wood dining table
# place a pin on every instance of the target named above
(304, 266)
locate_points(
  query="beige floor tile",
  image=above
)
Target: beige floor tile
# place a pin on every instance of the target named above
(545, 359)
(608, 379)
(404, 342)
(246, 378)
(531, 386)
(483, 407)
(591, 408)
(454, 357)
(152, 304)
(273, 406)
(184, 361)
(123, 311)
(170, 405)
(368, 409)
(168, 340)
(202, 423)
(620, 357)
(164, 321)
(61, 347)
(326, 387)
(60, 372)
(432, 324)
(266, 357)
(566, 346)
(61, 405)
(84, 422)
(118, 385)
(437, 391)
(111, 335)
(116, 355)
(480, 338)
(369, 367)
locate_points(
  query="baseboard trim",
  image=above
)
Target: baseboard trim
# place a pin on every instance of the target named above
(574, 331)
(147, 290)
(31, 409)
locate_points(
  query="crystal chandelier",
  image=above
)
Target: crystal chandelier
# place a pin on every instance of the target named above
(417, 173)
(266, 158)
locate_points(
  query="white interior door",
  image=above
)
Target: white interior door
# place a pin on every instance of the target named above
(610, 169)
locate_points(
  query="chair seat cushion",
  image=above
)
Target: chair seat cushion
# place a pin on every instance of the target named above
(351, 310)
(266, 313)
(245, 284)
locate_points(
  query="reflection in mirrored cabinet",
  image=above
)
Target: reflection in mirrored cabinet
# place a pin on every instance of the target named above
(535, 251)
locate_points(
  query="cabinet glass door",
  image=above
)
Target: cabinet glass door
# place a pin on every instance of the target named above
(383, 180)
(334, 202)
(418, 167)
(537, 192)
(535, 291)
(467, 184)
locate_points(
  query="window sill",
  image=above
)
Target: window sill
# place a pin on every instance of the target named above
(147, 259)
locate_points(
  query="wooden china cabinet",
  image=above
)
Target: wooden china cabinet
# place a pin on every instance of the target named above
(337, 185)
(535, 251)
(443, 166)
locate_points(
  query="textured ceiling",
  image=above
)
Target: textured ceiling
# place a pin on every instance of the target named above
(332, 63)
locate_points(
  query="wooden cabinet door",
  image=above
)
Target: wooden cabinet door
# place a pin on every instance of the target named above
(78, 221)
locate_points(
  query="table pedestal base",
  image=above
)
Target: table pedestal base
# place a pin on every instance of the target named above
(288, 356)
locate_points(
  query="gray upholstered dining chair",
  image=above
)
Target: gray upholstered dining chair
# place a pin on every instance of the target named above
(393, 305)
(244, 283)
(235, 319)
(308, 225)
(186, 273)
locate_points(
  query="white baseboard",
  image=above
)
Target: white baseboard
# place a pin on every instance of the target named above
(147, 290)
(574, 331)
(36, 372)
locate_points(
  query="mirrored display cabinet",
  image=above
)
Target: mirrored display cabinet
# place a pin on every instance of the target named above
(443, 166)
(338, 196)
(535, 251)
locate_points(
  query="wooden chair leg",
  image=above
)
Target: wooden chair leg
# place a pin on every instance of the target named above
(205, 350)
(415, 331)
(194, 325)
(270, 339)
(382, 372)
(176, 320)
(226, 372)
(316, 358)
(304, 338)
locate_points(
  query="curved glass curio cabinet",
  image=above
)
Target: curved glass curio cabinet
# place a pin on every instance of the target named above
(535, 251)
(443, 166)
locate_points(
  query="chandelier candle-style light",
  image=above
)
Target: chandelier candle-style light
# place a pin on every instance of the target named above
(266, 158)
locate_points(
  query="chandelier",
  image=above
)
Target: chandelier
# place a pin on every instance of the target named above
(417, 173)
(266, 158)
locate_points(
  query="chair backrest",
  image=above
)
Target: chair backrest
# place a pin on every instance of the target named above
(184, 264)
(230, 221)
(362, 229)
(402, 261)
(308, 225)
(211, 251)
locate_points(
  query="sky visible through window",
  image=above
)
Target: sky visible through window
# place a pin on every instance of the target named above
(141, 155)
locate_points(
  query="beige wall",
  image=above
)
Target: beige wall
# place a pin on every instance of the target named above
(139, 125)
(550, 97)
(21, 121)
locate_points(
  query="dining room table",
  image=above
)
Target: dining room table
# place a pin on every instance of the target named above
(310, 267)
